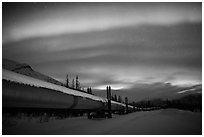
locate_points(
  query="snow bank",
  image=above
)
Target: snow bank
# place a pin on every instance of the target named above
(22, 79)
(160, 122)
(114, 102)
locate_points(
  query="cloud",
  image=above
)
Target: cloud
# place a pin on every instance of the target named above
(140, 49)
(27, 20)
(195, 89)
(141, 91)
(126, 54)
(152, 91)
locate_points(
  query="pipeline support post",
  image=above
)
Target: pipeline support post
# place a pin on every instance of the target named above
(108, 88)
(126, 104)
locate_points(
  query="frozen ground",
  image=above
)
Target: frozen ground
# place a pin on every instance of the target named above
(170, 121)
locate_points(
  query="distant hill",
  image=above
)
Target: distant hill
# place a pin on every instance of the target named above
(192, 102)
(27, 70)
(189, 102)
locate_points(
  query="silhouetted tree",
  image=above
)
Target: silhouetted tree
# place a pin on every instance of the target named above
(77, 82)
(112, 97)
(72, 83)
(79, 86)
(67, 81)
(115, 98)
(119, 99)
(90, 90)
(126, 100)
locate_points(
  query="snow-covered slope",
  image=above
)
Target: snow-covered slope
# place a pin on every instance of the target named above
(27, 70)
(22, 79)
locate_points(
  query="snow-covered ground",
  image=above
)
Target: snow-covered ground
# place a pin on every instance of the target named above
(166, 122)
(22, 79)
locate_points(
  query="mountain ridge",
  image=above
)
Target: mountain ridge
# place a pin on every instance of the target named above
(25, 69)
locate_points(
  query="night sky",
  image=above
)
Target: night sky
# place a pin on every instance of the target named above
(141, 49)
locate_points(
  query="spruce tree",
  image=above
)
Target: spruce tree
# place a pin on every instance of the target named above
(72, 83)
(67, 84)
(90, 91)
(115, 98)
(77, 82)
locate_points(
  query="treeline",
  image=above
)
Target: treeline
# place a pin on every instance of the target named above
(76, 85)
(117, 98)
(191, 102)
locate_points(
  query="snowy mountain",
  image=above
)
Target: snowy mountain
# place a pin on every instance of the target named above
(27, 70)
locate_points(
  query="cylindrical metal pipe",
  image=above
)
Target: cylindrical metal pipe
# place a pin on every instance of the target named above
(26, 96)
